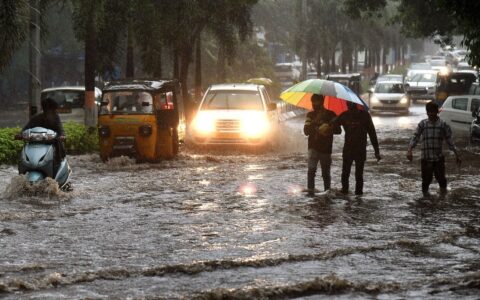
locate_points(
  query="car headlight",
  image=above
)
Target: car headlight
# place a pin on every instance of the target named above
(374, 99)
(255, 126)
(204, 123)
(404, 100)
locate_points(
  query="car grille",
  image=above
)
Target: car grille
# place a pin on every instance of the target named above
(389, 101)
(227, 125)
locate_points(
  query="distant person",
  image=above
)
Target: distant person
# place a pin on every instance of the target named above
(431, 132)
(357, 124)
(50, 119)
(320, 138)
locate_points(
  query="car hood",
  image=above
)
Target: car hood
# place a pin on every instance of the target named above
(388, 96)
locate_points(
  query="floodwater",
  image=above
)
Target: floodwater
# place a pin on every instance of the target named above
(216, 225)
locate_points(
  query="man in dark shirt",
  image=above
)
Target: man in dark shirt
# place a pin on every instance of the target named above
(320, 138)
(357, 124)
(49, 119)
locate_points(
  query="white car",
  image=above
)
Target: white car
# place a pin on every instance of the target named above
(388, 96)
(422, 85)
(457, 112)
(71, 101)
(235, 114)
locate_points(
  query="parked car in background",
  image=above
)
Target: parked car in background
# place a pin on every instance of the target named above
(71, 101)
(421, 86)
(388, 96)
(390, 77)
(287, 74)
(440, 65)
(235, 114)
(458, 111)
(415, 67)
(349, 80)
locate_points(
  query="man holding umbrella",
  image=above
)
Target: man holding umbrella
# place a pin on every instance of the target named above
(357, 124)
(320, 139)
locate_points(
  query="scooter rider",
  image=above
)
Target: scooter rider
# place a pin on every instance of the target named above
(50, 119)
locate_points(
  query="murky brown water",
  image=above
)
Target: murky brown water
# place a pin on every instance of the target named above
(215, 225)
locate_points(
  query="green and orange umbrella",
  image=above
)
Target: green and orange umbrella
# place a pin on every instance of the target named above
(336, 95)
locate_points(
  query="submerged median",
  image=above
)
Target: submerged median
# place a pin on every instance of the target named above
(80, 140)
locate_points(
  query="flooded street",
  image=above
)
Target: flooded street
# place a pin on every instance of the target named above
(210, 225)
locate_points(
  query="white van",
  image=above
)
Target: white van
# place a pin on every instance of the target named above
(71, 101)
(457, 112)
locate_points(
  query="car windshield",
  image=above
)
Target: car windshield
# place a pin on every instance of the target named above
(66, 98)
(283, 68)
(437, 63)
(420, 66)
(127, 102)
(247, 100)
(426, 77)
(389, 88)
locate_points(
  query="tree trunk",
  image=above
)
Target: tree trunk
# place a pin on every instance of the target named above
(384, 60)
(130, 72)
(157, 73)
(34, 58)
(319, 65)
(90, 66)
(355, 61)
(221, 73)
(176, 73)
(198, 69)
(334, 66)
(326, 59)
(377, 60)
(185, 59)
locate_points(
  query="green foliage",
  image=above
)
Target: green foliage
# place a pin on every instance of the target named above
(80, 140)
(14, 16)
(9, 148)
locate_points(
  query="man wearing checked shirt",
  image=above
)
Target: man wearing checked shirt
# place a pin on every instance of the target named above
(431, 132)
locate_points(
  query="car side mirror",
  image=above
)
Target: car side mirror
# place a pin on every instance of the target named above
(103, 103)
(145, 103)
(272, 106)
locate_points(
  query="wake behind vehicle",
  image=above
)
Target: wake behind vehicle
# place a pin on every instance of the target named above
(141, 119)
(37, 159)
(235, 114)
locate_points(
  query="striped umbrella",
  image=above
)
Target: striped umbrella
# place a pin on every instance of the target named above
(336, 95)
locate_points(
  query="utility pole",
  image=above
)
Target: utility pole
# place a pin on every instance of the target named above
(34, 59)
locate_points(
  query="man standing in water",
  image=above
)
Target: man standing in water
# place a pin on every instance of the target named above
(431, 132)
(357, 124)
(320, 139)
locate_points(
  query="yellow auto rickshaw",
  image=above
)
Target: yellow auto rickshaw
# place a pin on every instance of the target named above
(140, 119)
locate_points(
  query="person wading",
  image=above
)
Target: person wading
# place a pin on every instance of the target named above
(357, 124)
(320, 138)
(431, 132)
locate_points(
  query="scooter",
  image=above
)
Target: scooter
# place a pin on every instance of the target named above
(37, 157)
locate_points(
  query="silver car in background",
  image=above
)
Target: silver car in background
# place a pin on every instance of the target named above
(388, 96)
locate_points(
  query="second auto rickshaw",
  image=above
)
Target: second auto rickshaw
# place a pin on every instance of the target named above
(140, 119)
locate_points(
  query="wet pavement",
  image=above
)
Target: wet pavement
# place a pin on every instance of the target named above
(218, 224)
